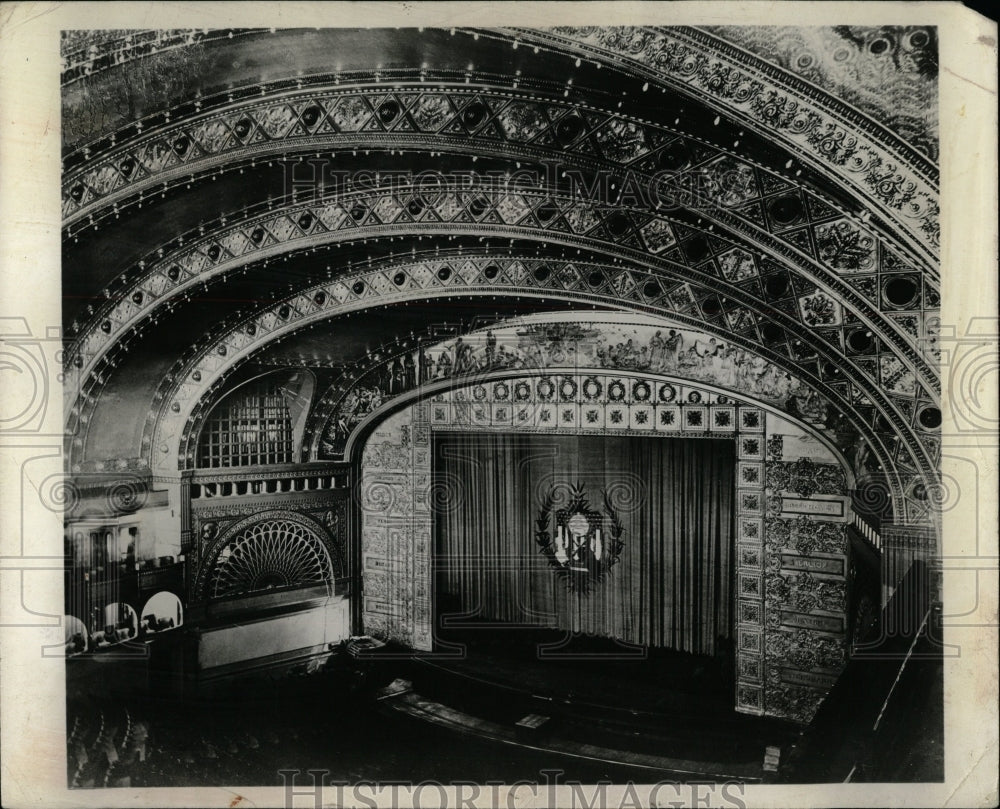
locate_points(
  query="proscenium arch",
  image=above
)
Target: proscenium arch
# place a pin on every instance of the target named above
(359, 436)
(603, 323)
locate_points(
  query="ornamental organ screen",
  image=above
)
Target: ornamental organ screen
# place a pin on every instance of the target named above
(269, 554)
(250, 427)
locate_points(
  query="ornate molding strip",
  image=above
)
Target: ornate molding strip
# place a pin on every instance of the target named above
(852, 116)
(554, 352)
(196, 387)
(749, 595)
(805, 565)
(888, 72)
(195, 379)
(581, 400)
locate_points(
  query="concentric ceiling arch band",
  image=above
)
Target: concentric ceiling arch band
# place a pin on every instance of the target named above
(203, 257)
(667, 236)
(108, 185)
(335, 395)
(588, 286)
(285, 318)
(191, 429)
(656, 234)
(740, 87)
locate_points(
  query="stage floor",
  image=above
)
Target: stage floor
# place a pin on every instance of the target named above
(400, 698)
(597, 692)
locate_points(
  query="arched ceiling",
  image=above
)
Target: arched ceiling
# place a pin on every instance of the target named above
(226, 190)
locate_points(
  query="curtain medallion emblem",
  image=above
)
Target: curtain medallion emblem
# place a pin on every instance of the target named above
(586, 543)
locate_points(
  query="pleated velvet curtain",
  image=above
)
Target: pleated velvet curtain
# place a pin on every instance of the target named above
(671, 586)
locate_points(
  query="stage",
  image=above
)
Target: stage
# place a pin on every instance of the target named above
(651, 710)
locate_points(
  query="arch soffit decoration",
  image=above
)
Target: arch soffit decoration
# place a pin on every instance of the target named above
(586, 342)
(600, 334)
(426, 394)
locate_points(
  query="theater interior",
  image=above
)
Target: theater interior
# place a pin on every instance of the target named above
(462, 403)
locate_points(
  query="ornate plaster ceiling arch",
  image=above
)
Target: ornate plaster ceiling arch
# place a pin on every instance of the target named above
(312, 125)
(657, 240)
(604, 288)
(199, 262)
(197, 383)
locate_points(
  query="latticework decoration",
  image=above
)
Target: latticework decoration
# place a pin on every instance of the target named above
(268, 555)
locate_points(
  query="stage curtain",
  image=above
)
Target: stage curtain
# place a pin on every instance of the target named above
(671, 586)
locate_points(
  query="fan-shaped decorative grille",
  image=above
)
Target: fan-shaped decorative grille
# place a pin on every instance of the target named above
(269, 554)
